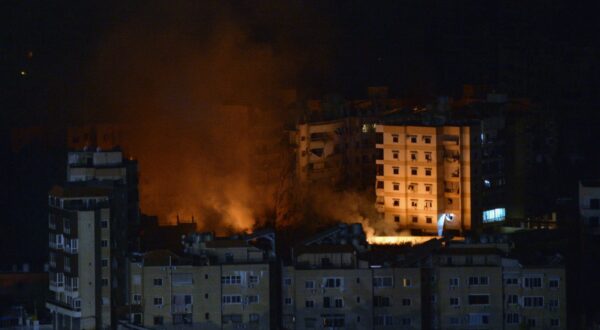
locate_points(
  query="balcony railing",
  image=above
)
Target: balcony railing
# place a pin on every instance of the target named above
(182, 309)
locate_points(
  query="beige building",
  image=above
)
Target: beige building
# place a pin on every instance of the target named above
(332, 284)
(428, 177)
(80, 267)
(476, 286)
(227, 284)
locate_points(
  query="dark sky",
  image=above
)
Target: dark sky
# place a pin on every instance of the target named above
(545, 50)
(422, 48)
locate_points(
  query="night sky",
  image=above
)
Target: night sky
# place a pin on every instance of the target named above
(547, 51)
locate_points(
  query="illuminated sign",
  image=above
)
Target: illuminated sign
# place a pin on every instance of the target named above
(494, 215)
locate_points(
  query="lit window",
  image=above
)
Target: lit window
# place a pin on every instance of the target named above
(494, 215)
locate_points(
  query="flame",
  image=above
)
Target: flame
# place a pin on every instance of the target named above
(398, 240)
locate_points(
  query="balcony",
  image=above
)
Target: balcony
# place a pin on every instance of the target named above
(182, 309)
(56, 286)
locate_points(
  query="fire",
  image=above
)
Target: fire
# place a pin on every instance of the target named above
(398, 240)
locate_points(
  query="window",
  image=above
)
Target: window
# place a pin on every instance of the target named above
(339, 303)
(253, 299)
(453, 320)
(414, 203)
(383, 282)
(383, 320)
(553, 283)
(180, 279)
(553, 303)
(512, 299)
(406, 282)
(228, 257)
(396, 186)
(252, 279)
(531, 322)
(332, 282)
(395, 154)
(309, 284)
(478, 280)
(428, 204)
(158, 301)
(326, 302)
(454, 301)
(104, 262)
(396, 218)
(104, 224)
(413, 138)
(533, 301)
(413, 156)
(511, 281)
(415, 219)
(532, 282)
(414, 170)
(395, 138)
(379, 184)
(428, 220)
(158, 320)
(479, 299)
(413, 187)
(405, 321)
(158, 282)
(104, 282)
(231, 279)
(594, 203)
(427, 172)
(428, 157)
(206, 316)
(232, 299)
(137, 299)
(406, 302)
(428, 188)
(333, 321)
(427, 139)
(104, 243)
(554, 322)
(479, 319)
(381, 301)
(254, 318)
(454, 281)
(309, 304)
(396, 170)
(396, 202)
(512, 318)
(287, 301)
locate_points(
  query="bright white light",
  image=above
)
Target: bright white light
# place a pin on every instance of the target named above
(449, 217)
(494, 215)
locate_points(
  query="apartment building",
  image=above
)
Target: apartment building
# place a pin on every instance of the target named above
(80, 254)
(428, 177)
(589, 205)
(332, 284)
(223, 284)
(481, 286)
(92, 221)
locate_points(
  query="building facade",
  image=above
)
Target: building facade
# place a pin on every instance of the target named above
(428, 177)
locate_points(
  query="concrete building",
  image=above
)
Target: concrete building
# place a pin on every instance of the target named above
(589, 205)
(80, 258)
(428, 177)
(224, 284)
(332, 283)
(93, 221)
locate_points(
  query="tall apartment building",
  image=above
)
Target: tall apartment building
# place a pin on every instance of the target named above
(80, 255)
(93, 222)
(223, 284)
(428, 177)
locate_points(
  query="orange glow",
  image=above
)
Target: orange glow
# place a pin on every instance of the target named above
(397, 240)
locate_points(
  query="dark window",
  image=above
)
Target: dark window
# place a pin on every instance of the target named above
(158, 320)
(595, 203)
(396, 218)
(479, 299)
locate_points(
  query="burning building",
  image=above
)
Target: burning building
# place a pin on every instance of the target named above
(428, 177)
